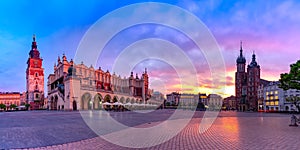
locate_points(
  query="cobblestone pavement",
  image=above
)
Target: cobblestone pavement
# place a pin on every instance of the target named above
(231, 130)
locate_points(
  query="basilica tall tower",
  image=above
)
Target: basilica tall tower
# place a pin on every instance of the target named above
(34, 78)
(241, 81)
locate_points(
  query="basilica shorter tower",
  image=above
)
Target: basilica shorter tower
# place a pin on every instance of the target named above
(35, 78)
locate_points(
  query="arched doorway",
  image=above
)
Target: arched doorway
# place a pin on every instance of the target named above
(98, 101)
(74, 105)
(86, 101)
(286, 108)
(115, 99)
(132, 101)
(127, 100)
(122, 100)
(51, 103)
(107, 98)
(55, 102)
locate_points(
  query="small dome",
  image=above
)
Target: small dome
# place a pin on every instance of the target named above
(253, 62)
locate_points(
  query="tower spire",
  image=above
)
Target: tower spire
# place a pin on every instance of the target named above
(33, 45)
(241, 59)
(253, 56)
(33, 37)
(34, 53)
(241, 48)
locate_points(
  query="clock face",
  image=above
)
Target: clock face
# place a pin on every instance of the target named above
(35, 62)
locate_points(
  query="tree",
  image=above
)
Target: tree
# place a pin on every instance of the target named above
(291, 80)
(27, 106)
(13, 106)
(2, 106)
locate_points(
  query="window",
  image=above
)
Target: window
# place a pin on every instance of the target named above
(36, 74)
(276, 102)
(276, 92)
(36, 95)
(35, 64)
(276, 97)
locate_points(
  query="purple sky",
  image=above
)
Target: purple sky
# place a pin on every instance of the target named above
(270, 28)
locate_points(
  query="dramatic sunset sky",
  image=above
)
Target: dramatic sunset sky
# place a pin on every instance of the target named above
(269, 28)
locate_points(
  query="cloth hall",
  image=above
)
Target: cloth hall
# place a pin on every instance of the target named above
(79, 87)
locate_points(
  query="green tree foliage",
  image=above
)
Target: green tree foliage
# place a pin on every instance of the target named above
(291, 80)
(13, 106)
(2, 106)
(27, 106)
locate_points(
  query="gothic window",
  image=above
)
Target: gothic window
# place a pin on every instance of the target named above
(36, 74)
(36, 95)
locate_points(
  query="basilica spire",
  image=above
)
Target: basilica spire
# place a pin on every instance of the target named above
(241, 49)
(241, 59)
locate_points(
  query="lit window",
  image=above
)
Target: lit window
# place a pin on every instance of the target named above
(276, 102)
(276, 92)
(267, 103)
(276, 97)
(271, 92)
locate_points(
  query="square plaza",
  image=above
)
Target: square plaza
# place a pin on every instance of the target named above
(68, 130)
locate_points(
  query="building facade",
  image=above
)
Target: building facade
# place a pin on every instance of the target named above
(274, 97)
(261, 94)
(184, 100)
(9, 98)
(78, 87)
(214, 102)
(23, 98)
(288, 106)
(189, 100)
(35, 78)
(173, 99)
(247, 83)
(230, 103)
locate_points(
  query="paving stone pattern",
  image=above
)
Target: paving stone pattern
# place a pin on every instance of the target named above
(66, 130)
